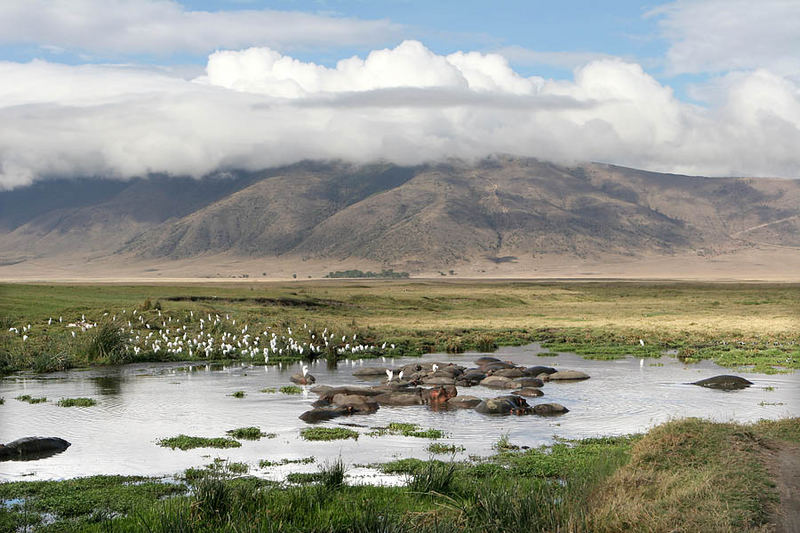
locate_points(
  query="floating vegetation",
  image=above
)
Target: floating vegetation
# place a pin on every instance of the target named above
(239, 394)
(503, 444)
(439, 448)
(547, 354)
(406, 430)
(186, 442)
(291, 389)
(328, 434)
(249, 433)
(269, 390)
(266, 463)
(77, 402)
(28, 398)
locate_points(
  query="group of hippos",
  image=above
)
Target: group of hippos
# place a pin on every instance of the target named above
(435, 385)
(408, 387)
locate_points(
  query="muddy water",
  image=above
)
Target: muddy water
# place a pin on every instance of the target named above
(140, 404)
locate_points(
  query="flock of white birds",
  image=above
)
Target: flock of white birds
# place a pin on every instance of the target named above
(214, 335)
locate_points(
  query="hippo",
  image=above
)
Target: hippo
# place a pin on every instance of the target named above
(481, 361)
(320, 414)
(724, 382)
(498, 382)
(509, 372)
(499, 365)
(303, 378)
(463, 402)
(567, 375)
(530, 392)
(32, 448)
(438, 380)
(471, 377)
(504, 405)
(549, 409)
(535, 371)
(399, 398)
(356, 403)
(529, 382)
(371, 372)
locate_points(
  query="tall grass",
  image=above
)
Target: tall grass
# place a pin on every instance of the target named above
(106, 342)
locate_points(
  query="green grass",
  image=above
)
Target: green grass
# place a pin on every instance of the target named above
(441, 449)
(686, 475)
(249, 433)
(321, 433)
(600, 320)
(77, 402)
(291, 389)
(406, 430)
(239, 394)
(185, 442)
(269, 390)
(29, 399)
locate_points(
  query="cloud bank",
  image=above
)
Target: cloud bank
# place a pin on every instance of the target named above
(257, 108)
(164, 27)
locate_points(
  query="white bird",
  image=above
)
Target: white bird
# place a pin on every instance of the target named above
(641, 342)
(435, 367)
(389, 374)
(305, 370)
(400, 376)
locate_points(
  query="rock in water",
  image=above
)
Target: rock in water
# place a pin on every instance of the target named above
(724, 383)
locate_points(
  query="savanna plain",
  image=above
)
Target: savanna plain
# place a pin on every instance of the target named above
(682, 475)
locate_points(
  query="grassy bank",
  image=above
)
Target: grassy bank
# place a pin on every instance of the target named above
(686, 475)
(733, 324)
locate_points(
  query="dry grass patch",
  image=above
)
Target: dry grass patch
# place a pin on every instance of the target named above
(688, 475)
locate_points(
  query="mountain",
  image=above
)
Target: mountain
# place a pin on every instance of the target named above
(498, 210)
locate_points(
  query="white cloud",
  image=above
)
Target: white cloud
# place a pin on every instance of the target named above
(722, 35)
(566, 60)
(163, 27)
(257, 108)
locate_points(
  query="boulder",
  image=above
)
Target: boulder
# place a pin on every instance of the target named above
(568, 375)
(724, 382)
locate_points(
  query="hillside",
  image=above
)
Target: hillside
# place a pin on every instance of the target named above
(435, 217)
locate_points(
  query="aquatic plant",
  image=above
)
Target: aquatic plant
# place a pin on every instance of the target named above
(28, 398)
(439, 448)
(269, 390)
(249, 433)
(77, 402)
(186, 442)
(291, 389)
(434, 476)
(106, 342)
(266, 463)
(406, 430)
(323, 433)
(239, 394)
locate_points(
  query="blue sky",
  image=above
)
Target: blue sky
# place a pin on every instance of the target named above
(121, 88)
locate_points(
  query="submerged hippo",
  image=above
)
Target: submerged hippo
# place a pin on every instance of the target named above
(303, 378)
(724, 383)
(549, 409)
(320, 414)
(568, 375)
(504, 405)
(32, 447)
